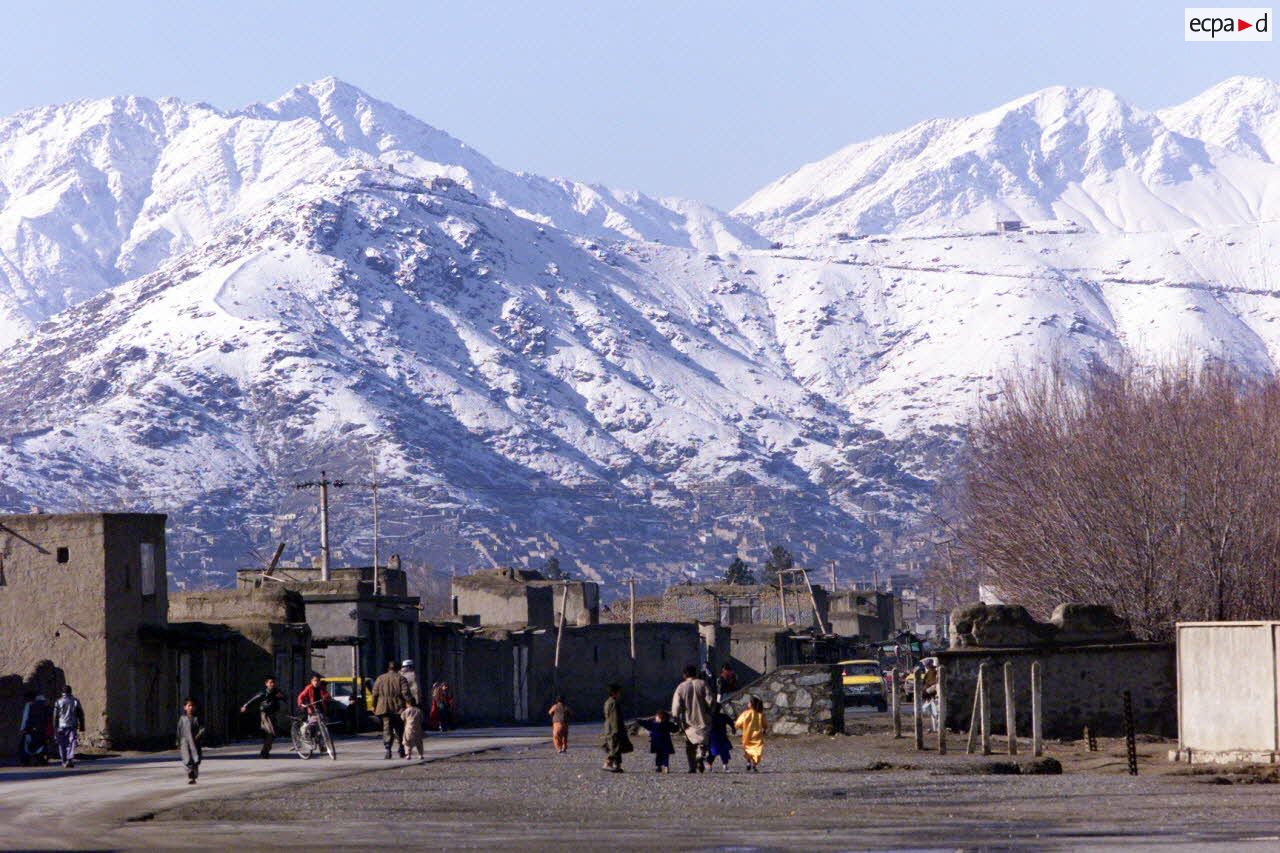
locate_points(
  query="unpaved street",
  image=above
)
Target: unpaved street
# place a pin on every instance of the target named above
(858, 792)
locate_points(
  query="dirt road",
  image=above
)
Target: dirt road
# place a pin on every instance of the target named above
(861, 792)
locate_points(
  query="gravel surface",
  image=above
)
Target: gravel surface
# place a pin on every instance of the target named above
(852, 792)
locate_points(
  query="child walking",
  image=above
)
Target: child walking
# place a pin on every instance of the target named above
(752, 725)
(189, 733)
(560, 714)
(718, 745)
(412, 738)
(660, 728)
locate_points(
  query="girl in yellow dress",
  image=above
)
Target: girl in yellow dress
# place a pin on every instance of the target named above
(752, 725)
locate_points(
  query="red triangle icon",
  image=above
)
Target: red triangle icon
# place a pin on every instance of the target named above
(1242, 25)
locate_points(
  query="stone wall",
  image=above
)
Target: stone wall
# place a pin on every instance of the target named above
(1081, 686)
(797, 699)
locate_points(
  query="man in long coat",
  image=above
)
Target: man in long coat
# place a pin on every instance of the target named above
(389, 694)
(614, 739)
(691, 709)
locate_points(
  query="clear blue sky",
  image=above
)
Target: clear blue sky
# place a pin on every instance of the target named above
(703, 99)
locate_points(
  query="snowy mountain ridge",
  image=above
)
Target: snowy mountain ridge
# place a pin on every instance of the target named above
(204, 307)
(1079, 155)
(94, 193)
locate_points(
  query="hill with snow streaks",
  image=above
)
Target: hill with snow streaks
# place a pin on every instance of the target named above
(201, 308)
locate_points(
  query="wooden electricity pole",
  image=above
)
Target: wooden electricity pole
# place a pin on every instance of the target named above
(373, 486)
(324, 483)
(782, 599)
(564, 605)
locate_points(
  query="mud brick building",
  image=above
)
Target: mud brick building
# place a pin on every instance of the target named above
(268, 635)
(84, 600)
(524, 597)
(78, 594)
(357, 622)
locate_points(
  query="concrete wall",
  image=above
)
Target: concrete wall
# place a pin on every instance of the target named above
(1227, 691)
(797, 699)
(1081, 686)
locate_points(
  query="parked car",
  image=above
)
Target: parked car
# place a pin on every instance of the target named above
(863, 683)
(343, 690)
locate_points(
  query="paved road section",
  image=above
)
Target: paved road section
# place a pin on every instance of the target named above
(93, 805)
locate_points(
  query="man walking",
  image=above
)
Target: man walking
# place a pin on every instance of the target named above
(691, 709)
(68, 719)
(726, 682)
(410, 676)
(389, 694)
(269, 700)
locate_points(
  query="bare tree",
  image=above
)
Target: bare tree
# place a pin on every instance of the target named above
(1156, 491)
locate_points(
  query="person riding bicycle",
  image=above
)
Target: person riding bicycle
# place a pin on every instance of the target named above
(312, 699)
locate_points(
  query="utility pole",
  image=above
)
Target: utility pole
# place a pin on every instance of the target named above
(373, 485)
(324, 483)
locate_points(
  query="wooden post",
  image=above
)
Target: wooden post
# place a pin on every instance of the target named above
(564, 605)
(373, 486)
(1010, 711)
(917, 706)
(631, 584)
(893, 698)
(940, 702)
(984, 709)
(974, 722)
(817, 616)
(1037, 740)
(782, 599)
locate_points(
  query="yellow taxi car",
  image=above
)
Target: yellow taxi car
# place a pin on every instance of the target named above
(343, 689)
(863, 683)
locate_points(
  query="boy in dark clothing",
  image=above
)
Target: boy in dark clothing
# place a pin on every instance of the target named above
(660, 728)
(718, 745)
(270, 699)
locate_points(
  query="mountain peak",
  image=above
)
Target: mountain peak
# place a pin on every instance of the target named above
(323, 97)
(1241, 114)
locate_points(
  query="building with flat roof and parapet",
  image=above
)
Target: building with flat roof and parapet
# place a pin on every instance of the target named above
(524, 597)
(745, 604)
(360, 619)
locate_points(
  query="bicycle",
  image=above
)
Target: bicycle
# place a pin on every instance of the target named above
(310, 734)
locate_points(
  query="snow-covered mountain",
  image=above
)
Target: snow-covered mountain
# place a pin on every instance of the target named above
(207, 307)
(94, 193)
(1082, 156)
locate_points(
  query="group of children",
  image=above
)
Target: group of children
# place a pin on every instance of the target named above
(750, 725)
